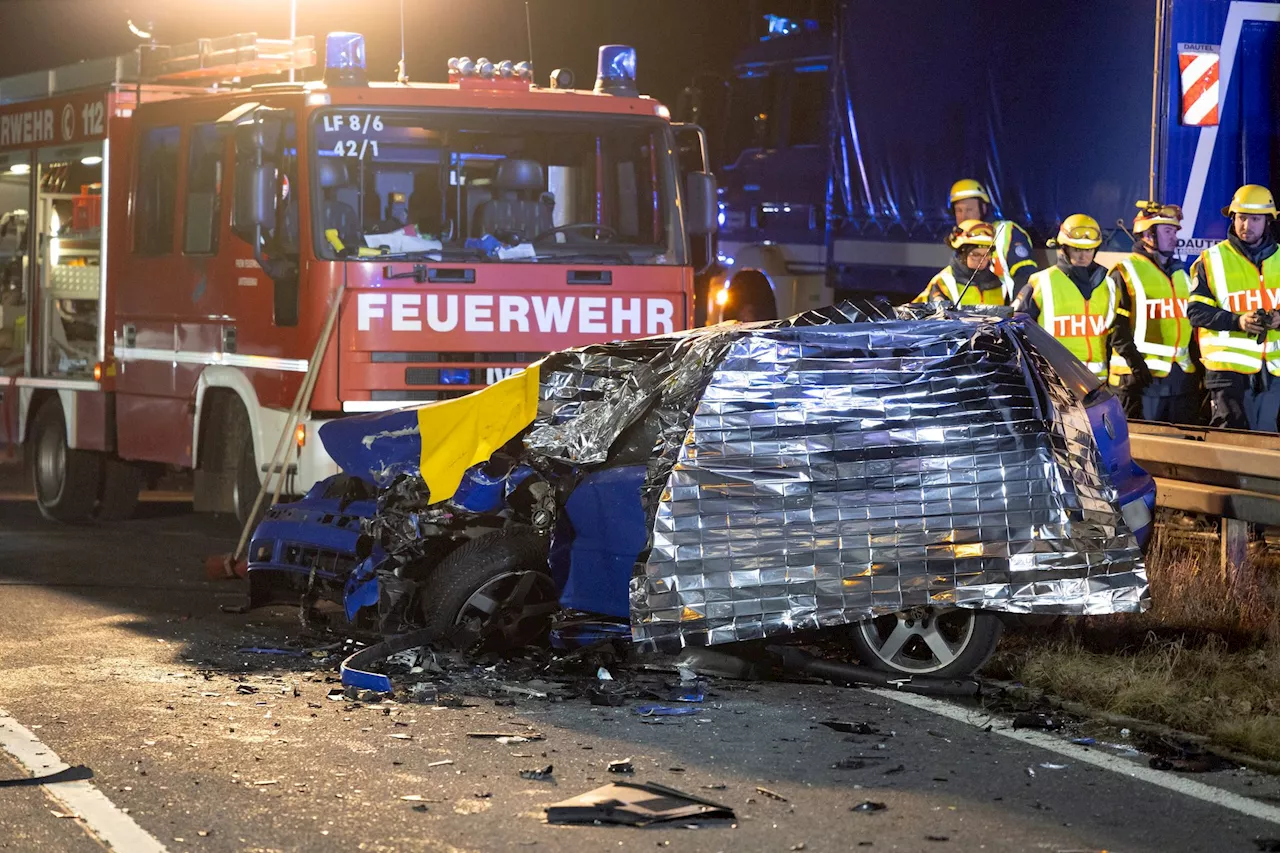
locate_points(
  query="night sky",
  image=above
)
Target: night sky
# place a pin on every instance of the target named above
(675, 38)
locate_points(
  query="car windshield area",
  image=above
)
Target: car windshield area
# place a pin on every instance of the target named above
(494, 186)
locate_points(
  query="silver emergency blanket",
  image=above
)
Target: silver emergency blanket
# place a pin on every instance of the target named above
(811, 476)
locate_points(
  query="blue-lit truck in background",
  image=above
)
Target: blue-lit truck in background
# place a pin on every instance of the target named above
(838, 141)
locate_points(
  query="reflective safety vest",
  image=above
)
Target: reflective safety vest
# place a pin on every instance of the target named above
(1081, 325)
(1238, 286)
(1161, 330)
(1001, 264)
(952, 287)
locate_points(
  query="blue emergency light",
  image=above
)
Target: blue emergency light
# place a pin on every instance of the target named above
(616, 71)
(780, 26)
(455, 376)
(344, 60)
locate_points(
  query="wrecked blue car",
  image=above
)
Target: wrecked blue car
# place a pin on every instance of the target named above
(906, 478)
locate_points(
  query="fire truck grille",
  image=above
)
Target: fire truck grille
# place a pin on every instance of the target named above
(432, 368)
(522, 358)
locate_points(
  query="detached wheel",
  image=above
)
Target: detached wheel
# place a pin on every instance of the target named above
(940, 642)
(495, 590)
(66, 481)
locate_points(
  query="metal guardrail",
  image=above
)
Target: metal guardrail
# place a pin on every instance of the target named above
(1230, 474)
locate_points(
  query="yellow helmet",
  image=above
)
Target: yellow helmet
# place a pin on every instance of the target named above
(1079, 232)
(972, 232)
(1251, 198)
(969, 188)
(1153, 213)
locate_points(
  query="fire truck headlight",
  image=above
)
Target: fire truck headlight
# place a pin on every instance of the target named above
(722, 298)
(300, 436)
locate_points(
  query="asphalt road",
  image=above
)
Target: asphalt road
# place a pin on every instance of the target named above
(114, 654)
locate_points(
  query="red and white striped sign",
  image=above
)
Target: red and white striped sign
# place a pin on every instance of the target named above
(1199, 70)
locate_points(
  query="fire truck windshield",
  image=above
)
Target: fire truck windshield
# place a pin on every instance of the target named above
(506, 187)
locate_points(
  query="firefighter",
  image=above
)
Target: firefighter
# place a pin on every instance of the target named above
(968, 279)
(1151, 364)
(1012, 261)
(1233, 299)
(1074, 300)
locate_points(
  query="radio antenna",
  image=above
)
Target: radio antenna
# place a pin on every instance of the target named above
(528, 27)
(402, 75)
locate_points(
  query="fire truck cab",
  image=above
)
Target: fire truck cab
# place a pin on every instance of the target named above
(179, 256)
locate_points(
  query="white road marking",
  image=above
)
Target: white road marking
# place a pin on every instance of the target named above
(1086, 755)
(98, 814)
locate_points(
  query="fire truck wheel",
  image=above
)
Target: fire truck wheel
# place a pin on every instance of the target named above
(495, 591)
(66, 481)
(239, 449)
(121, 485)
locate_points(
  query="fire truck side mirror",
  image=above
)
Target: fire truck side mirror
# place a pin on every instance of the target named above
(255, 196)
(702, 207)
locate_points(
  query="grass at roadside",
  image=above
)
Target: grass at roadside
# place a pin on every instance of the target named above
(1204, 659)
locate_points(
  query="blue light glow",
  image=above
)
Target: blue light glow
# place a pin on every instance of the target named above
(344, 58)
(780, 26)
(455, 376)
(616, 69)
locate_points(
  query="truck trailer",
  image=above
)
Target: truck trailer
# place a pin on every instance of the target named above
(841, 139)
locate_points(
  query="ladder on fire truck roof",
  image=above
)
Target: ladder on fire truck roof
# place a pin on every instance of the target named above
(202, 63)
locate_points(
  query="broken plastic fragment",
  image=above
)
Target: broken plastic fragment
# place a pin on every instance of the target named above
(664, 711)
(868, 806)
(634, 804)
(1044, 722)
(542, 775)
(623, 766)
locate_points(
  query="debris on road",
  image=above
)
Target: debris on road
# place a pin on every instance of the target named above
(851, 728)
(634, 804)
(622, 766)
(796, 660)
(543, 775)
(1042, 722)
(665, 711)
(773, 795)
(79, 773)
(608, 694)
(867, 806)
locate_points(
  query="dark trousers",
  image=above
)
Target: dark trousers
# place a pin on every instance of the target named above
(1148, 405)
(1241, 401)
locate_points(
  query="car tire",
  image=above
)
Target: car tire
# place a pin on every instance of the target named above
(469, 590)
(121, 485)
(907, 643)
(66, 481)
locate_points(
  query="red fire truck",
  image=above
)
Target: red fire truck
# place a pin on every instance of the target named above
(172, 246)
